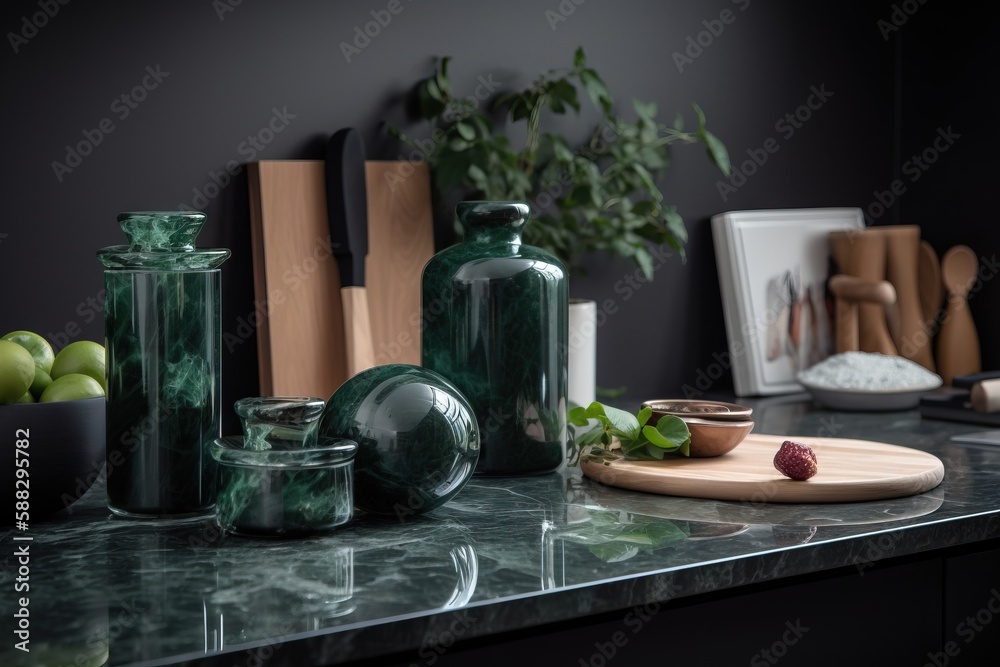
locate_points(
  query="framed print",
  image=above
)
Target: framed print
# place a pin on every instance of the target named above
(773, 267)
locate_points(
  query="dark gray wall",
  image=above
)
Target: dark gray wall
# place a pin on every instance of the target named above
(228, 72)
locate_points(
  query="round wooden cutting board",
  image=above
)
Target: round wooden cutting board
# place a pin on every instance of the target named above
(848, 471)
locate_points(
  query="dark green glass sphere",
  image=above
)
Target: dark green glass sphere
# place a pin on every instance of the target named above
(418, 440)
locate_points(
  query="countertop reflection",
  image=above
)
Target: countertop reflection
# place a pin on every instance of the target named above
(505, 554)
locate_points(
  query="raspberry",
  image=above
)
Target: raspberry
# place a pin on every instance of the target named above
(795, 460)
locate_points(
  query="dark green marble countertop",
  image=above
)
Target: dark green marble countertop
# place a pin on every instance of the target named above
(505, 554)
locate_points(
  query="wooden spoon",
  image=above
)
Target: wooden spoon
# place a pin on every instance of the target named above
(958, 343)
(931, 289)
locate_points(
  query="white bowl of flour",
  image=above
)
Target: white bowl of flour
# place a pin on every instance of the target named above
(868, 381)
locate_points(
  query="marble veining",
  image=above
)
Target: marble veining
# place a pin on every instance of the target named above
(504, 554)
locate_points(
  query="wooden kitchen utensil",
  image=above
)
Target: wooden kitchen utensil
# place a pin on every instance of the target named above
(931, 289)
(849, 293)
(849, 470)
(863, 255)
(958, 350)
(912, 337)
(301, 342)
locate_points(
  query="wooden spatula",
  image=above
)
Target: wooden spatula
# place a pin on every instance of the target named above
(958, 343)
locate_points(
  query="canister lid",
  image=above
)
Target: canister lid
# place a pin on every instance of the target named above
(162, 241)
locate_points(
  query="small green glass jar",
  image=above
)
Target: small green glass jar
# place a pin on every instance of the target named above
(162, 321)
(495, 315)
(282, 479)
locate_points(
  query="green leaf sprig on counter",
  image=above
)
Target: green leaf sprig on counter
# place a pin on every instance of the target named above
(637, 439)
(602, 196)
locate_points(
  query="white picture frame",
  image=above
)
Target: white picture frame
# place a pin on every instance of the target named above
(773, 266)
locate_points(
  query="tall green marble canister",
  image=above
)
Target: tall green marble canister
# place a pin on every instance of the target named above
(163, 341)
(495, 315)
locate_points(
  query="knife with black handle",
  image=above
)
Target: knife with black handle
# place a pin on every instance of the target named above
(347, 207)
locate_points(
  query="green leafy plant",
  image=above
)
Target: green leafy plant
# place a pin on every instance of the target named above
(637, 439)
(601, 196)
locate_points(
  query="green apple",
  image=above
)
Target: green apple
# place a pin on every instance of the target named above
(17, 371)
(27, 398)
(36, 345)
(83, 356)
(41, 381)
(71, 387)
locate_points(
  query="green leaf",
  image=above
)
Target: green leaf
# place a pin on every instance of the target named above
(458, 144)
(579, 59)
(466, 131)
(578, 416)
(429, 99)
(596, 90)
(717, 151)
(675, 223)
(645, 262)
(701, 116)
(645, 111)
(673, 430)
(565, 91)
(624, 423)
(644, 416)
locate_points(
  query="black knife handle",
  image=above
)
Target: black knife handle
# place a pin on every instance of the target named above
(347, 204)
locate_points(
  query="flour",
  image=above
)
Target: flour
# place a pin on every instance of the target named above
(864, 371)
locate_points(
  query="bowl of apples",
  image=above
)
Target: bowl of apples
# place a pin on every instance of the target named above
(52, 423)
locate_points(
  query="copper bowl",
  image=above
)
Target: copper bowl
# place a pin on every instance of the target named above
(716, 427)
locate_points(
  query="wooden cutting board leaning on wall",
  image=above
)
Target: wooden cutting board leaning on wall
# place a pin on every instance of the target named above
(300, 324)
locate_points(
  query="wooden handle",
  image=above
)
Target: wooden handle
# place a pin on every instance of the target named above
(985, 396)
(846, 335)
(859, 289)
(357, 330)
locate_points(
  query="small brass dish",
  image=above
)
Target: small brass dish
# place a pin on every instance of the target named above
(715, 437)
(716, 427)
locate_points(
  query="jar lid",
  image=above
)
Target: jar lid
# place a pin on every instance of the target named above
(327, 453)
(269, 419)
(162, 241)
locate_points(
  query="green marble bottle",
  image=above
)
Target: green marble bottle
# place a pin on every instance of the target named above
(163, 340)
(495, 317)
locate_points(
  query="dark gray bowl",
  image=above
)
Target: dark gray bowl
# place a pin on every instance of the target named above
(65, 452)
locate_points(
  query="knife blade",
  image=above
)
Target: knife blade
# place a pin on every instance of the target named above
(347, 208)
